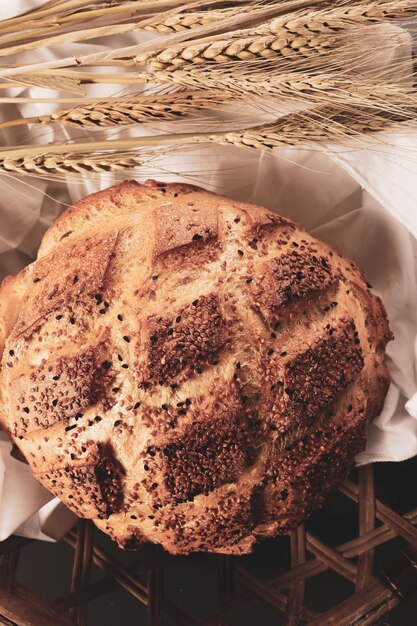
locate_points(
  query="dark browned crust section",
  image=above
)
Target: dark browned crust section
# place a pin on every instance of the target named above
(92, 489)
(55, 391)
(210, 453)
(186, 342)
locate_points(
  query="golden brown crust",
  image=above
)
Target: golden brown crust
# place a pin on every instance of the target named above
(188, 369)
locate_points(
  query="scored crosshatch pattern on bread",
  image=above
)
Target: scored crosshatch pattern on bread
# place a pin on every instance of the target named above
(187, 369)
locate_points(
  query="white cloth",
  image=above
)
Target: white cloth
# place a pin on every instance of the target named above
(363, 201)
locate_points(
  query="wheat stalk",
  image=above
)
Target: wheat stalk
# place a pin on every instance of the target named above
(319, 125)
(299, 34)
(268, 87)
(81, 163)
(126, 56)
(113, 112)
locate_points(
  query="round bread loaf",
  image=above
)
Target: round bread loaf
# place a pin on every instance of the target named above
(187, 369)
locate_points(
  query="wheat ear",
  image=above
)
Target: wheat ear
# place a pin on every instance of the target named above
(81, 163)
(283, 36)
(110, 113)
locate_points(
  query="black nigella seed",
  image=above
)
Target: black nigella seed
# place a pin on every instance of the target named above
(357, 340)
(98, 418)
(75, 279)
(195, 302)
(273, 335)
(295, 244)
(55, 377)
(133, 517)
(36, 280)
(72, 320)
(67, 428)
(155, 277)
(79, 415)
(26, 409)
(154, 485)
(164, 407)
(106, 304)
(187, 401)
(238, 365)
(146, 468)
(106, 365)
(240, 252)
(350, 407)
(182, 412)
(54, 402)
(180, 403)
(115, 389)
(126, 338)
(120, 317)
(170, 331)
(72, 455)
(99, 298)
(136, 405)
(249, 280)
(102, 311)
(11, 352)
(117, 422)
(178, 319)
(125, 366)
(58, 317)
(270, 351)
(196, 236)
(120, 357)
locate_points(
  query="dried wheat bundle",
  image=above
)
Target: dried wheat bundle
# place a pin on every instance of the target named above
(310, 73)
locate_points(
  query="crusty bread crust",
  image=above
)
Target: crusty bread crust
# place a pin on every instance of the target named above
(187, 369)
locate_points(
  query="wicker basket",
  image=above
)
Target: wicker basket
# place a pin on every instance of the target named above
(369, 596)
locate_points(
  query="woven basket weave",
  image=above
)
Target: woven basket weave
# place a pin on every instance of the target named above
(373, 595)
